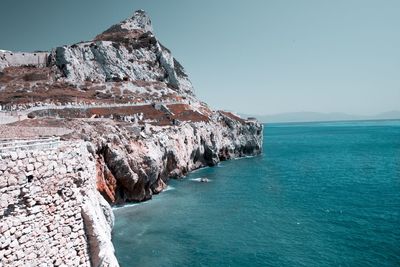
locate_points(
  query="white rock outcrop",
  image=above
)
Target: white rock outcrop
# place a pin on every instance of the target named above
(140, 163)
(126, 51)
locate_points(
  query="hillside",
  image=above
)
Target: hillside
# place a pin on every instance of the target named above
(123, 110)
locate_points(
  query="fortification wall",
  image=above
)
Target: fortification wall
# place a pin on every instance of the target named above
(50, 210)
(16, 59)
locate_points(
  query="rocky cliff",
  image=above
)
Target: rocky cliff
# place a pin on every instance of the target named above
(131, 101)
(127, 51)
(133, 167)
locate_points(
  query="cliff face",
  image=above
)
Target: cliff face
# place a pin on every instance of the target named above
(133, 104)
(133, 168)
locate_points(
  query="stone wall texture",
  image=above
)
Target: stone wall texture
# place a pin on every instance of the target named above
(15, 59)
(50, 210)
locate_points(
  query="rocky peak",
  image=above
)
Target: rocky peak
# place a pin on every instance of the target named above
(139, 21)
(126, 52)
(132, 27)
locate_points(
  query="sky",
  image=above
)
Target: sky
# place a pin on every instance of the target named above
(254, 56)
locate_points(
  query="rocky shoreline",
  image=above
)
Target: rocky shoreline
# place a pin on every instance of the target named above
(128, 120)
(74, 186)
(133, 170)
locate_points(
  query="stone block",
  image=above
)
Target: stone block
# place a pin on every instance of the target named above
(61, 169)
(26, 230)
(22, 178)
(20, 163)
(15, 170)
(18, 234)
(20, 254)
(4, 242)
(30, 167)
(37, 165)
(23, 239)
(3, 226)
(3, 167)
(14, 156)
(13, 230)
(21, 155)
(12, 181)
(14, 243)
(35, 210)
(3, 181)
(66, 231)
(31, 256)
(7, 252)
(11, 164)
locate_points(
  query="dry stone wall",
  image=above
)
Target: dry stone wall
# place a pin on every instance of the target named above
(50, 209)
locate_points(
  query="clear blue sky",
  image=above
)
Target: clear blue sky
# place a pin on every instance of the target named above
(255, 56)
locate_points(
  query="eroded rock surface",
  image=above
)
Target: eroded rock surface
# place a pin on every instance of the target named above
(125, 107)
(134, 167)
(125, 52)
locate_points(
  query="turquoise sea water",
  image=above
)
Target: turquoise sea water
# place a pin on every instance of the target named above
(322, 194)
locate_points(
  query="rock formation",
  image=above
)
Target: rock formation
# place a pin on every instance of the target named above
(133, 105)
(127, 51)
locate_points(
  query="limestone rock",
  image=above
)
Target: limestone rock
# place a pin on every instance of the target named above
(54, 202)
(98, 230)
(126, 51)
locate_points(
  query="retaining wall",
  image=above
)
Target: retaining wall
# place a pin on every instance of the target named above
(15, 59)
(44, 207)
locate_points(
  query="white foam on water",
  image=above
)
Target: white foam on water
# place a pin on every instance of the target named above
(199, 169)
(169, 188)
(246, 157)
(199, 179)
(130, 205)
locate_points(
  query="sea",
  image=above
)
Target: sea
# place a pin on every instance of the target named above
(321, 194)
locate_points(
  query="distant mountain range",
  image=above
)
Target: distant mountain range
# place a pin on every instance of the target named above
(317, 116)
